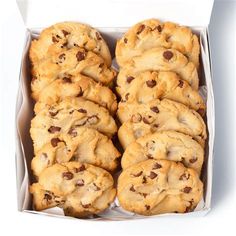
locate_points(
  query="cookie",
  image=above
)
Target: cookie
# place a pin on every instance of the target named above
(152, 33)
(80, 189)
(68, 114)
(159, 85)
(73, 61)
(75, 86)
(159, 186)
(142, 119)
(81, 144)
(65, 35)
(166, 145)
(161, 59)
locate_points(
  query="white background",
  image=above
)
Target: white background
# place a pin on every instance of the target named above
(221, 219)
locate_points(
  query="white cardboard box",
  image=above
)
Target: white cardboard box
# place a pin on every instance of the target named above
(112, 18)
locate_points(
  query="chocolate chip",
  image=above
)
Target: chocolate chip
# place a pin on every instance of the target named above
(149, 156)
(80, 56)
(151, 83)
(66, 80)
(86, 205)
(81, 110)
(168, 55)
(93, 119)
(54, 129)
(126, 96)
(187, 189)
(67, 175)
(145, 120)
(181, 83)
(144, 194)
(138, 174)
(96, 188)
(80, 93)
(144, 180)
(65, 33)
(72, 132)
(125, 40)
(140, 29)
(54, 39)
(62, 56)
(136, 118)
(55, 141)
(156, 125)
(132, 188)
(152, 175)
(98, 36)
(81, 168)
(148, 119)
(53, 113)
(47, 197)
(158, 28)
(80, 183)
(129, 79)
(193, 160)
(64, 45)
(147, 207)
(184, 176)
(154, 109)
(156, 166)
(72, 111)
(101, 65)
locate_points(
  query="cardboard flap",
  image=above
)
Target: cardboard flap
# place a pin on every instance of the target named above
(114, 13)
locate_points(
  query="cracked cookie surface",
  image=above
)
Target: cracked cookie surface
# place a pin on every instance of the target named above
(141, 119)
(146, 86)
(153, 33)
(80, 144)
(76, 86)
(166, 145)
(65, 35)
(159, 186)
(80, 189)
(69, 113)
(73, 61)
(161, 59)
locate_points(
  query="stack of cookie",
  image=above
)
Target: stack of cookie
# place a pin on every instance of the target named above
(73, 123)
(162, 132)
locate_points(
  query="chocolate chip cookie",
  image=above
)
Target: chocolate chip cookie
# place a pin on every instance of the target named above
(146, 86)
(80, 144)
(159, 186)
(80, 189)
(152, 33)
(76, 86)
(69, 113)
(162, 59)
(166, 145)
(73, 61)
(141, 119)
(65, 35)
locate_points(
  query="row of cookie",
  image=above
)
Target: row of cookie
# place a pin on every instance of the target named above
(67, 60)
(159, 113)
(73, 122)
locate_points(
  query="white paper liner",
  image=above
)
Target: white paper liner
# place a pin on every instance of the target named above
(114, 212)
